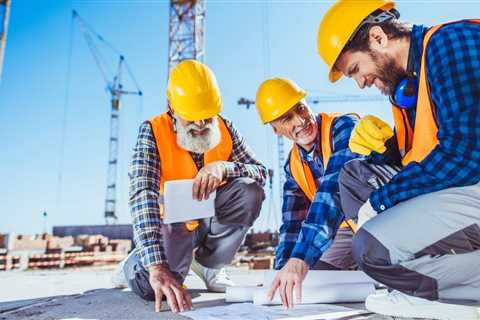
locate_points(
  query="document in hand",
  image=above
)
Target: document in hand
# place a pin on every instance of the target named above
(180, 206)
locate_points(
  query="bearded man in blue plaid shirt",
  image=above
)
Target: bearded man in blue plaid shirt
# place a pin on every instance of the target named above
(417, 195)
(313, 234)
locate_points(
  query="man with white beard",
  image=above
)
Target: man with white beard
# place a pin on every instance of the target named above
(190, 141)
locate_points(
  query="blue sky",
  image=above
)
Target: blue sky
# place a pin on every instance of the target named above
(246, 41)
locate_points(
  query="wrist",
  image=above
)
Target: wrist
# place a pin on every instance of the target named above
(158, 268)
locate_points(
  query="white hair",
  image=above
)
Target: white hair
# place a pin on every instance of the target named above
(197, 144)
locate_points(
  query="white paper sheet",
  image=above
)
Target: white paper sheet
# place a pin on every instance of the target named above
(180, 206)
(240, 294)
(317, 278)
(331, 293)
(248, 311)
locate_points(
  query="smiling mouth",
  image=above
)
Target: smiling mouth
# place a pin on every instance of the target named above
(305, 131)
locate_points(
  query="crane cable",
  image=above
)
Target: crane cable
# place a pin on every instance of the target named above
(65, 117)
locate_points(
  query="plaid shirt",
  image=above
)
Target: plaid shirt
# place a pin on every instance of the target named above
(453, 73)
(144, 187)
(308, 228)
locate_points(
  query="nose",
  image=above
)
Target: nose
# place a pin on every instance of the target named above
(200, 123)
(360, 81)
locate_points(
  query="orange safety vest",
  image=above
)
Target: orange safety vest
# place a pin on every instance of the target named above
(300, 170)
(176, 163)
(415, 144)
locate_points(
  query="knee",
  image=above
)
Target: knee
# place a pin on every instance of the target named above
(245, 202)
(252, 196)
(140, 285)
(351, 171)
(369, 253)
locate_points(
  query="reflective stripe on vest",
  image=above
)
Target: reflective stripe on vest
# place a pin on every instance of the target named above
(417, 143)
(176, 163)
(301, 172)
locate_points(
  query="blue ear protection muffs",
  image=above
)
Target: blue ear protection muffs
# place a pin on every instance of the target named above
(405, 94)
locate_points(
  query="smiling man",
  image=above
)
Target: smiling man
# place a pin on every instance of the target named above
(190, 141)
(418, 194)
(312, 235)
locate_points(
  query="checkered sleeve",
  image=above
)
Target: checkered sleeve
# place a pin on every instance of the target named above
(453, 64)
(144, 173)
(294, 211)
(324, 217)
(243, 162)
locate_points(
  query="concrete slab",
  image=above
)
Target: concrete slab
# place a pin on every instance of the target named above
(86, 293)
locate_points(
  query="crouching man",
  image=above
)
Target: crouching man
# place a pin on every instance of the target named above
(314, 233)
(190, 141)
(420, 208)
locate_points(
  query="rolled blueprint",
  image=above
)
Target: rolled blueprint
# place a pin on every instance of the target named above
(332, 293)
(240, 294)
(317, 278)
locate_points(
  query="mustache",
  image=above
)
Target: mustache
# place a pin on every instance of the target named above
(193, 126)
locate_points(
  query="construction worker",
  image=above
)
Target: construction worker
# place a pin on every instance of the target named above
(312, 235)
(420, 209)
(190, 141)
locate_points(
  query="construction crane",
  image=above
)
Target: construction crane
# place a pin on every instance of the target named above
(115, 88)
(4, 16)
(314, 100)
(186, 31)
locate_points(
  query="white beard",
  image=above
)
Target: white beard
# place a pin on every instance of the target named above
(200, 144)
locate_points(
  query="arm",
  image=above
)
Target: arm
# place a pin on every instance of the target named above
(243, 162)
(144, 177)
(455, 91)
(144, 206)
(324, 217)
(294, 211)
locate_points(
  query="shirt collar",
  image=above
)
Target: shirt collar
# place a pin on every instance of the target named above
(304, 155)
(416, 46)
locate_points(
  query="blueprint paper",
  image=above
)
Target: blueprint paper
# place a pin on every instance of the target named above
(248, 311)
(332, 293)
(316, 278)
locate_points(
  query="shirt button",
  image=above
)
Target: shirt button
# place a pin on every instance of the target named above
(382, 207)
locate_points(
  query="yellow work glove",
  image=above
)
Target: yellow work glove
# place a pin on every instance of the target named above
(370, 134)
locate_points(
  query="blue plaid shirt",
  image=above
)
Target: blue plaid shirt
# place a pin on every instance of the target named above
(308, 228)
(453, 73)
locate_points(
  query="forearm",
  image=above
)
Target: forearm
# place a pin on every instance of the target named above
(440, 170)
(257, 172)
(145, 213)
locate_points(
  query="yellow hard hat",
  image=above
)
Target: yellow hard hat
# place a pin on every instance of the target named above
(276, 96)
(338, 25)
(192, 91)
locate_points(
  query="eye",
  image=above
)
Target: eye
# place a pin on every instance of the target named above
(286, 118)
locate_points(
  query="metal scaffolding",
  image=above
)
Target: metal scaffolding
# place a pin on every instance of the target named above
(186, 31)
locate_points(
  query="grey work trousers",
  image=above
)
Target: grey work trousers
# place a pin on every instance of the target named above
(428, 246)
(216, 240)
(339, 255)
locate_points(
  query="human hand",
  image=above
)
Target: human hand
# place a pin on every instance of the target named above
(370, 134)
(208, 179)
(288, 279)
(164, 283)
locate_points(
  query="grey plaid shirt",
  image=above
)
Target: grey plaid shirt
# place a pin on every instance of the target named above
(145, 174)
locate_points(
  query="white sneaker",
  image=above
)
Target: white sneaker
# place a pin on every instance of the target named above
(118, 278)
(216, 280)
(398, 304)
